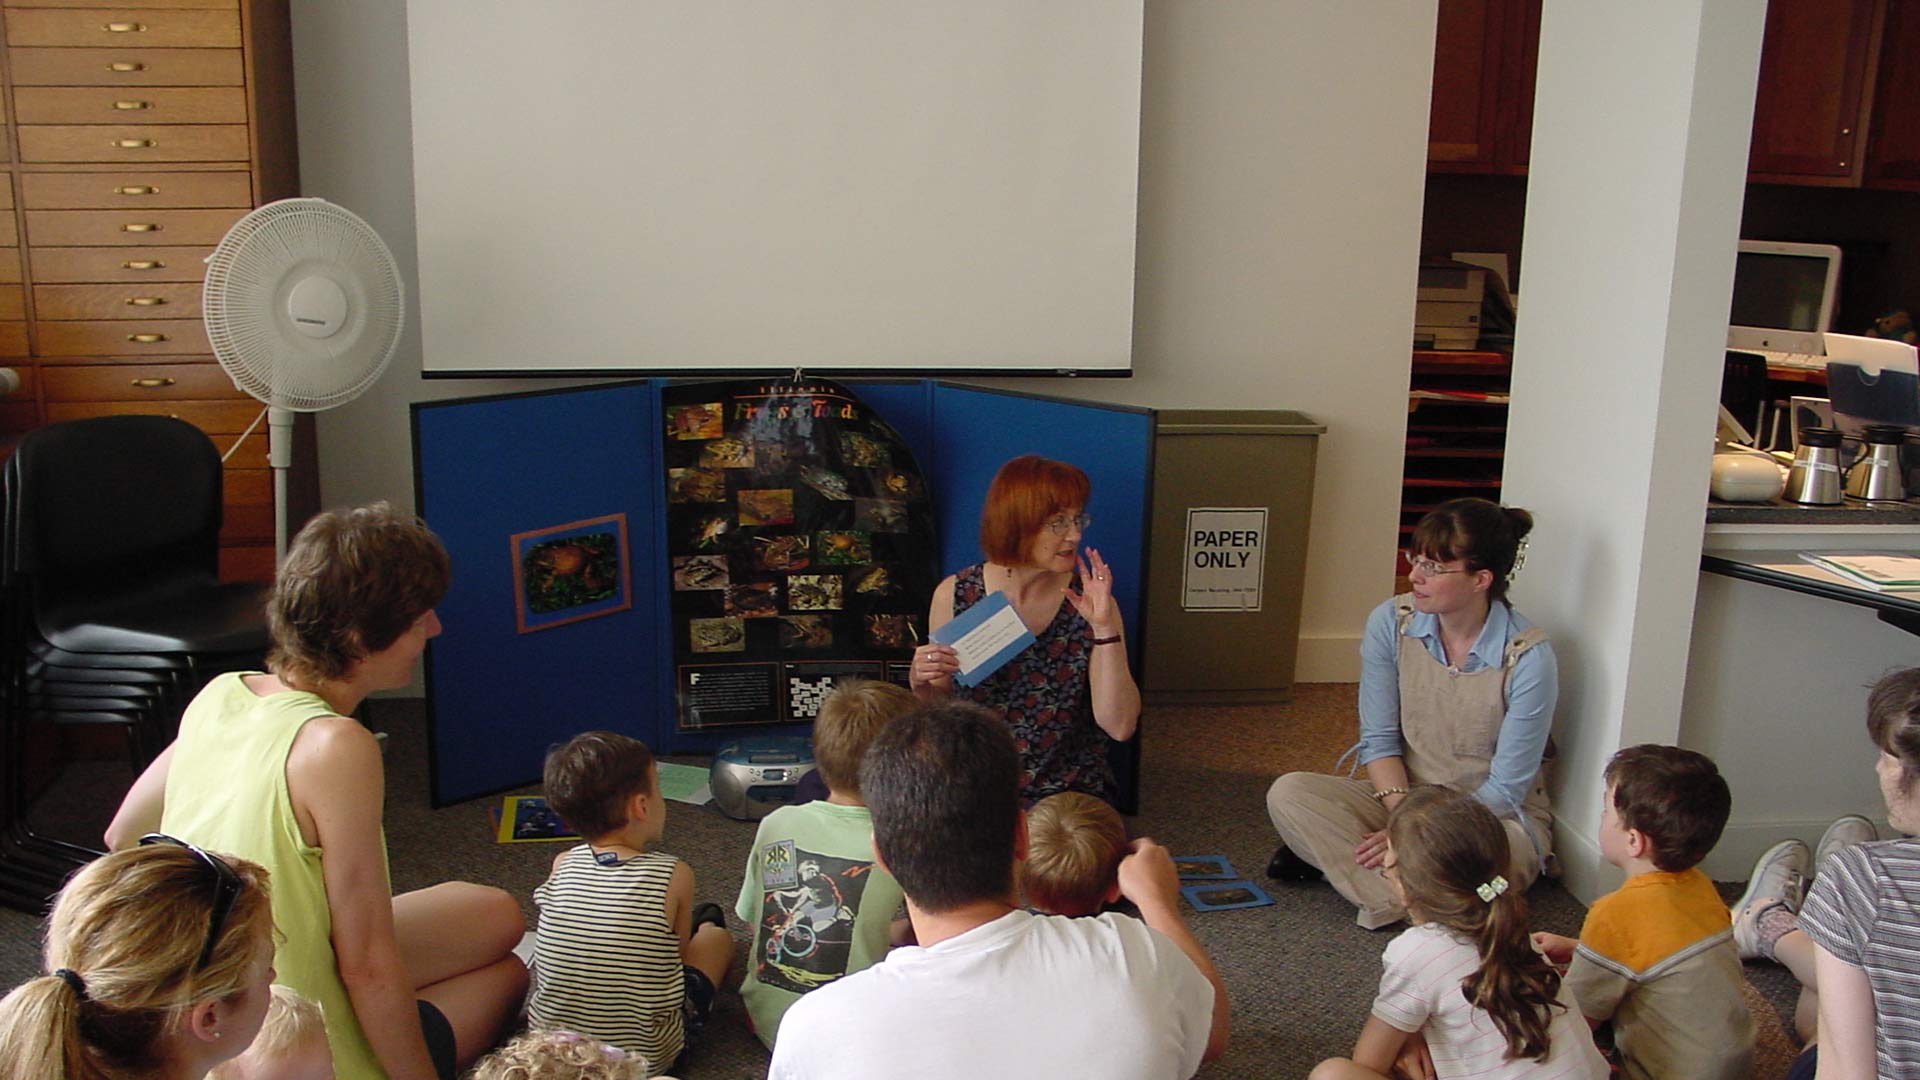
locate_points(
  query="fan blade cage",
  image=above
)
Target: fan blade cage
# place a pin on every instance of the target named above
(250, 277)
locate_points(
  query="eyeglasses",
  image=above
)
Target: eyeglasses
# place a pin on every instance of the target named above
(1061, 524)
(1427, 567)
(226, 890)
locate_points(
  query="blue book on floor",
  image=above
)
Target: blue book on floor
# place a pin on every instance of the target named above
(1225, 895)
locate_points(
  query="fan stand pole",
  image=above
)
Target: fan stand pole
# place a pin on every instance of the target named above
(280, 458)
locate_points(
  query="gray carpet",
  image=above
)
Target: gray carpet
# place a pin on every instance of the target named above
(1300, 973)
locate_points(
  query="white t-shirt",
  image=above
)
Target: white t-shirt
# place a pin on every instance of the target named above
(1420, 991)
(1022, 996)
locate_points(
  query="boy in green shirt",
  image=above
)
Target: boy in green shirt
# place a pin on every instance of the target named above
(819, 906)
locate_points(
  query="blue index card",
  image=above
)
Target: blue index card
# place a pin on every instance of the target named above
(1225, 895)
(986, 636)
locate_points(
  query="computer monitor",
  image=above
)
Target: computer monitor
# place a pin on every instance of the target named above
(1783, 297)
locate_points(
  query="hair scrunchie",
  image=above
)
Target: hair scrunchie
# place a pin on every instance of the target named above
(73, 980)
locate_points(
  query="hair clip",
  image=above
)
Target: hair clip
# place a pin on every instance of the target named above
(1492, 888)
(1519, 559)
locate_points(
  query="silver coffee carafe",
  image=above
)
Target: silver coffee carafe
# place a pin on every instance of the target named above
(1814, 479)
(1878, 476)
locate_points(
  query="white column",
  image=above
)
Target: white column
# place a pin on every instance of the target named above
(1637, 173)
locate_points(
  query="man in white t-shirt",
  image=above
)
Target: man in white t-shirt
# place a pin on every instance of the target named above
(992, 990)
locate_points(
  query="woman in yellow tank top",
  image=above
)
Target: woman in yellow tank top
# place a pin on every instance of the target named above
(271, 766)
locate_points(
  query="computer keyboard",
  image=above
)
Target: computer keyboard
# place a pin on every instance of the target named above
(1790, 360)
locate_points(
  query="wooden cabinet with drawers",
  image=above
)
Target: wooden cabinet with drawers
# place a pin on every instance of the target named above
(136, 135)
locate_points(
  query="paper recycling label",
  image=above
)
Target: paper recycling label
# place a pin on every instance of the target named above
(1225, 557)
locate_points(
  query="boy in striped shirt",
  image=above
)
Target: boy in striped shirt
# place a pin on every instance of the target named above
(623, 955)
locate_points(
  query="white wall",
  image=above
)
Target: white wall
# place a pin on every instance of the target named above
(1282, 165)
(1633, 210)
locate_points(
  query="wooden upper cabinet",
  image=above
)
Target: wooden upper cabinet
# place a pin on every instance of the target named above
(1485, 55)
(1811, 109)
(1893, 154)
(1462, 124)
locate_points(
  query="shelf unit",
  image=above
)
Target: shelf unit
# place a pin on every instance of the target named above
(1456, 433)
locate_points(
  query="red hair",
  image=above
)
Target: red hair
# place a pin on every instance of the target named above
(1024, 494)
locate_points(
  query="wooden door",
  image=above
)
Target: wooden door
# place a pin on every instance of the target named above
(1809, 114)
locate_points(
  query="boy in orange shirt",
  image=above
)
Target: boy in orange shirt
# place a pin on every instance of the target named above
(1656, 956)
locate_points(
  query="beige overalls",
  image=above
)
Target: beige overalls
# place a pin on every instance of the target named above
(1449, 726)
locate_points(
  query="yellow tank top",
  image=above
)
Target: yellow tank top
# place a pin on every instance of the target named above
(227, 792)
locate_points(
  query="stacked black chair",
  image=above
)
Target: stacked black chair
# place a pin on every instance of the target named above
(114, 611)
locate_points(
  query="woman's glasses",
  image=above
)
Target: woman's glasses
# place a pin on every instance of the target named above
(226, 890)
(1427, 567)
(1061, 524)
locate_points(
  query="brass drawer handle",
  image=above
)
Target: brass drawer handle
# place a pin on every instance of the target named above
(126, 65)
(124, 27)
(152, 384)
(146, 339)
(146, 301)
(126, 106)
(140, 226)
(143, 264)
(137, 189)
(132, 144)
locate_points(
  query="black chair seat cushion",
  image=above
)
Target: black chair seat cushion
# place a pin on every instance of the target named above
(193, 618)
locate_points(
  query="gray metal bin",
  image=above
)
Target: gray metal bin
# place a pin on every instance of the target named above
(1232, 493)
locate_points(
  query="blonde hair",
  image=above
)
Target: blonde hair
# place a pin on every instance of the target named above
(560, 1055)
(123, 948)
(292, 1020)
(1447, 847)
(851, 714)
(1074, 846)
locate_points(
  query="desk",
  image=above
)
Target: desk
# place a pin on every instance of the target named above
(1786, 570)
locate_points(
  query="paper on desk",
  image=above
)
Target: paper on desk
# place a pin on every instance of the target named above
(986, 636)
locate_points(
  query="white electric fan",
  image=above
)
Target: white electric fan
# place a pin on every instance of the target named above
(304, 306)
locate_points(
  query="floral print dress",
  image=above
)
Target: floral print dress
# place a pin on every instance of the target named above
(1044, 694)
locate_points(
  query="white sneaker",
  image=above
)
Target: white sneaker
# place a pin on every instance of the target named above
(1851, 829)
(1780, 877)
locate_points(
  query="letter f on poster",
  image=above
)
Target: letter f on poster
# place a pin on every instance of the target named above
(1225, 558)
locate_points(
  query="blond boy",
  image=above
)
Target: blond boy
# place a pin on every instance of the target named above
(1074, 846)
(819, 907)
(292, 1044)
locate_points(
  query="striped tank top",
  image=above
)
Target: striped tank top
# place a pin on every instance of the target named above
(607, 962)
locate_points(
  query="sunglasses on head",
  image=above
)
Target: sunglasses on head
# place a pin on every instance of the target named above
(226, 889)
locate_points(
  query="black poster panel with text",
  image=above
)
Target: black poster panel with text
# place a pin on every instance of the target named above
(801, 543)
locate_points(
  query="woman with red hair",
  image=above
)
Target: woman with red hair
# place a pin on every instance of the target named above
(1070, 691)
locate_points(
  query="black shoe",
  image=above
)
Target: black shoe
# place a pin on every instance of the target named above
(709, 912)
(1286, 866)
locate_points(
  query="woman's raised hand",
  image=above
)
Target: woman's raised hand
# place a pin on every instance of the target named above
(1094, 601)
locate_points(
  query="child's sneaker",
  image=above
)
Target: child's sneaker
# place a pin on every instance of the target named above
(1851, 829)
(1778, 880)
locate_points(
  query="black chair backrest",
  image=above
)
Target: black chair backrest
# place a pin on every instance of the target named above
(114, 496)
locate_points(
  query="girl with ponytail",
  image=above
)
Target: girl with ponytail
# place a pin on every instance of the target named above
(160, 965)
(1464, 986)
(1456, 688)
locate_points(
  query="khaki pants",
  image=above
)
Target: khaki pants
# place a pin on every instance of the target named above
(1323, 818)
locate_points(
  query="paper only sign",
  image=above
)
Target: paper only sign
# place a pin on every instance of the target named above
(1226, 551)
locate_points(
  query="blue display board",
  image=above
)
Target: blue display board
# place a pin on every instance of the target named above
(488, 470)
(491, 471)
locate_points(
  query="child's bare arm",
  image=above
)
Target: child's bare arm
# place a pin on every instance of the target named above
(1379, 1045)
(1555, 947)
(680, 903)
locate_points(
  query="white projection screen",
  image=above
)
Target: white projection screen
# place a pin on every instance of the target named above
(759, 185)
